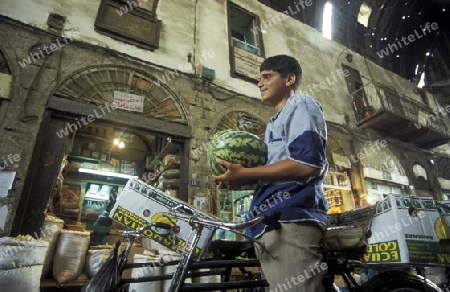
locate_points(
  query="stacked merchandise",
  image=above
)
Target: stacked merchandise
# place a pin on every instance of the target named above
(128, 167)
(169, 178)
(70, 199)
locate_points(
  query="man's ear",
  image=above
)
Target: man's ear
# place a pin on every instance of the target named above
(290, 80)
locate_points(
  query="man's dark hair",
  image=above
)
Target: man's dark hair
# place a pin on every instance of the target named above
(284, 65)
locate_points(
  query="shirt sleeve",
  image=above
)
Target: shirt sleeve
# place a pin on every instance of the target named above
(306, 134)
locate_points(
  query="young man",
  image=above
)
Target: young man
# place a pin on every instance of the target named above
(291, 182)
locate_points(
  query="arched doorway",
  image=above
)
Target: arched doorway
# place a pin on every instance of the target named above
(100, 84)
(337, 185)
(103, 126)
(383, 172)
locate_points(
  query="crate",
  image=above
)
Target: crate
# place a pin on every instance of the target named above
(140, 204)
(407, 229)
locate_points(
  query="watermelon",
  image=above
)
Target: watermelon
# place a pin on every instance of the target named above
(235, 146)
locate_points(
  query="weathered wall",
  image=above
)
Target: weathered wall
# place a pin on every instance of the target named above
(35, 84)
(189, 26)
(196, 26)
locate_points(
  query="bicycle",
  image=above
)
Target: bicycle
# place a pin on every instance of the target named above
(342, 248)
(189, 262)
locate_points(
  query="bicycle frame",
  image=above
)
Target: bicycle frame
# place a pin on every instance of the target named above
(339, 263)
(188, 255)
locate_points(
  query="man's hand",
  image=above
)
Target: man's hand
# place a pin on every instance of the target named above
(283, 170)
(233, 178)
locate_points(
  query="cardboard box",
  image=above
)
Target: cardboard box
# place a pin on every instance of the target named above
(408, 229)
(140, 204)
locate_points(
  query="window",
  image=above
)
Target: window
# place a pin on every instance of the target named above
(327, 16)
(245, 40)
(244, 31)
(419, 172)
(356, 89)
(364, 14)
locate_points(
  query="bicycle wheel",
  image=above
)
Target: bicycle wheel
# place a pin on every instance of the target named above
(393, 281)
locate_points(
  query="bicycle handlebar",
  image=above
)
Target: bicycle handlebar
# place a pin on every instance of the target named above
(229, 225)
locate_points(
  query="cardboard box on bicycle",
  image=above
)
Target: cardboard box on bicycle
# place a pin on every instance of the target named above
(140, 204)
(407, 229)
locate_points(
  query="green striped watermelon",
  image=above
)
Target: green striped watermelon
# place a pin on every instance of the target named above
(235, 146)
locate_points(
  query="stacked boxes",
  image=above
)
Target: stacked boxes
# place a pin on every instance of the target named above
(407, 229)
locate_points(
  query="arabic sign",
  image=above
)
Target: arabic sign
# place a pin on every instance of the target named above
(247, 63)
(128, 101)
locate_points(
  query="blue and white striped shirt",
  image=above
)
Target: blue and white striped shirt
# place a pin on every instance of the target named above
(296, 132)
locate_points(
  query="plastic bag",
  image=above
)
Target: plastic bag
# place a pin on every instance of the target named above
(107, 278)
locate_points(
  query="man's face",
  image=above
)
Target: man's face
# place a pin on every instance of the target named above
(273, 87)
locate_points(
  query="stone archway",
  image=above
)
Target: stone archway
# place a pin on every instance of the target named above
(382, 164)
(241, 120)
(96, 85)
(336, 155)
(238, 200)
(383, 173)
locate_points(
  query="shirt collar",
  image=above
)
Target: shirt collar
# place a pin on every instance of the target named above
(273, 119)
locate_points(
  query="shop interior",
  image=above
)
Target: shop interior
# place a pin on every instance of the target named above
(99, 159)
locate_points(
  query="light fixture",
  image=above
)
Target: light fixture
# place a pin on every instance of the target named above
(119, 143)
(106, 173)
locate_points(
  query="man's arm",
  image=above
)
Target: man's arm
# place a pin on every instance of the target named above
(286, 169)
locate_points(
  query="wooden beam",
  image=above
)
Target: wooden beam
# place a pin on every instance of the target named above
(118, 116)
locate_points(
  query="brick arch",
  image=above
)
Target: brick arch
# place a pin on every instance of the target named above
(241, 120)
(96, 85)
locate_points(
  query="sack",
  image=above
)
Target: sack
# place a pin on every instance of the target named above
(147, 271)
(21, 279)
(70, 255)
(21, 263)
(170, 173)
(106, 279)
(95, 260)
(49, 233)
(17, 253)
(167, 183)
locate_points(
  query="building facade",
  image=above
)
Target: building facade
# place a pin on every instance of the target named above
(163, 77)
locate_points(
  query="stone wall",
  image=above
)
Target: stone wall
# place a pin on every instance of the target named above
(34, 85)
(195, 28)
